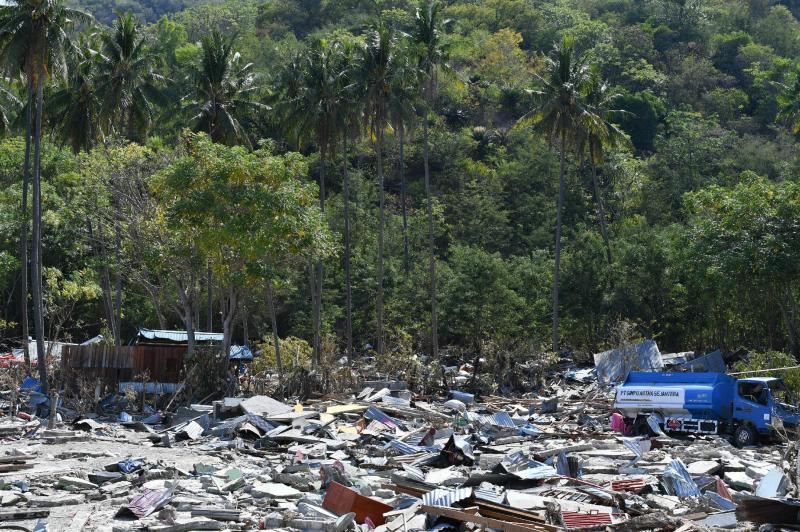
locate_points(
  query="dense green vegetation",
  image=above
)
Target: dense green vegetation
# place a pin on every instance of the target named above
(499, 177)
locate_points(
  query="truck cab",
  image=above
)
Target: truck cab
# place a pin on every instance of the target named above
(763, 405)
(707, 403)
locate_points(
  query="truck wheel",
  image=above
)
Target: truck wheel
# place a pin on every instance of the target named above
(641, 428)
(744, 436)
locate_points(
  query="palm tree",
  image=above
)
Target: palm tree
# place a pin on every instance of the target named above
(75, 107)
(598, 133)
(401, 107)
(378, 57)
(34, 40)
(311, 107)
(427, 36)
(561, 115)
(224, 89)
(348, 119)
(129, 86)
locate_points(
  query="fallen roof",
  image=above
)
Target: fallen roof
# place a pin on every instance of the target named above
(179, 336)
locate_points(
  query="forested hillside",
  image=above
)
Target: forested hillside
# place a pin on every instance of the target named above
(388, 175)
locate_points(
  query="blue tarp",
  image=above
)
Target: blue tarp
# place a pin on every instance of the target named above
(29, 383)
(240, 352)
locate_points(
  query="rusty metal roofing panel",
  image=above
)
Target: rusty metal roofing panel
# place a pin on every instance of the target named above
(577, 520)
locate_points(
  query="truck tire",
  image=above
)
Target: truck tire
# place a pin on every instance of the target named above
(743, 436)
(641, 428)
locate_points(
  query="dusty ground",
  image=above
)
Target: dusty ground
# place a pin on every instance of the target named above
(79, 458)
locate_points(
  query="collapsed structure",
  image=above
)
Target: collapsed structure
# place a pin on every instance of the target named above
(384, 458)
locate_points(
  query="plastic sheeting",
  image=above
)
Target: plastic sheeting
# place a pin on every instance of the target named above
(614, 365)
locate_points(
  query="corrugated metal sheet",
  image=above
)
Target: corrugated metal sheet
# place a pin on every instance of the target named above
(180, 336)
(446, 496)
(406, 448)
(677, 480)
(576, 520)
(149, 501)
(499, 419)
(377, 414)
(493, 494)
(634, 484)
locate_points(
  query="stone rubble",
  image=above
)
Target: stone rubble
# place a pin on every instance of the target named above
(385, 459)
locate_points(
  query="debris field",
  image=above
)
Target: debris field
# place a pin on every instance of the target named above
(383, 459)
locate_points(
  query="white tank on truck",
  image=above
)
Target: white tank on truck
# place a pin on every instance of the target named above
(706, 403)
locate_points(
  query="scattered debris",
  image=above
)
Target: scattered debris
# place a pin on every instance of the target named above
(385, 458)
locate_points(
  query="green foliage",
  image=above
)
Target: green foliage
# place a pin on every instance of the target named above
(295, 353)
(700, 216)
(756, 362)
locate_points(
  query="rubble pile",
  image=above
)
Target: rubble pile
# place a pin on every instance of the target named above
(384, 459)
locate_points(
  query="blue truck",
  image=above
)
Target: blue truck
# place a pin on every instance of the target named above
(748, 409)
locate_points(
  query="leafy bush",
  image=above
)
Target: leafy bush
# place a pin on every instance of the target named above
(295, 353)
(770, 360)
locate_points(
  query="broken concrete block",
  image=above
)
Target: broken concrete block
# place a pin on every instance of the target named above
(233, 485)
(76, 483)
(57, 500)
(739, 480)
(275, 490)
(703, 467)
(116, 488)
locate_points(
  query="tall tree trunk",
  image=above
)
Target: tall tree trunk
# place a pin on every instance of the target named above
(105, 279)
(229, 305)
(601, 214)
(36, 247)
(209, 300)
(431, 244)
(23, 233)
(559, 208)
(275, 340)
(347, 280)
(381, 196)
(406, 264)
(118, 281)
(244, 325)
(186, 294)
(312, 283)
(318, 280)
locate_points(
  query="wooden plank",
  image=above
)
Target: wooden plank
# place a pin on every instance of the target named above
(468, 517)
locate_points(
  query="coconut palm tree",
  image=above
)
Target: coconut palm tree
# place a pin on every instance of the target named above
(562, 115)
(74, 109)
(130, 88)
(378, 57)
(348, 117)
(598, 133)
(403, 103)
(428, 38)
(34, 40)
(310, 114)
(224, 91)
